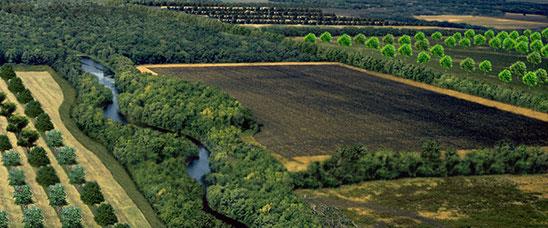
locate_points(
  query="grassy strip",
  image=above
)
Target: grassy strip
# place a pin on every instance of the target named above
(118, 171)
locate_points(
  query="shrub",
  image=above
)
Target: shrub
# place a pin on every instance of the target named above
(468, 65)
(344, 40)
(423, 57)
(15, 85)
(91, 193)
(4, 219)
(77, 175)
(489, 34)
(457, 36)
(2, 96)
(535, 36)
(485, 66)
(505, 76)
(465, 43)
(470, 33)
(16, 123)
(54, 138)
(5, 143)
(537, 45)
(326, 37)
(405, 39)
(544, 50)
(388, 39)
(11, 158)
(24, 96)
(514, 34)
(105, 215)
(16, 177)
(32, 217)
(419, 36)
(310, 38)
(57, 195)
(71, 217)
(508, 44)
(436, 36)
(7, 108)
(360, 39)
(522, 39)
(542, 75)
(518, 68)
(405, 50)
(422, 45)
(372, 42)
(388, 51)
(522, 47)
(502, 35)
(46, 176)
(66, 155)
(530, 79)
(534, 58)
(495, 43)
(479, 40)
(43, 122)
(27, 137)
(33, 109)
(37, 157)
(446, 62)
(545, 33)
(437, 50)
(7, 72)
(22, 195)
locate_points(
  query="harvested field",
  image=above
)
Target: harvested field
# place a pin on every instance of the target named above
(506, 22)
(46, 91)
(312, 109)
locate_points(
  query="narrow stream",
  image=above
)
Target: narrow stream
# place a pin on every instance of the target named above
(197, 169)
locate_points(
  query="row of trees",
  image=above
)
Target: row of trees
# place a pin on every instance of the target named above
(354, 164)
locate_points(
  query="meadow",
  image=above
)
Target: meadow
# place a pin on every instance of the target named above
(313, 109)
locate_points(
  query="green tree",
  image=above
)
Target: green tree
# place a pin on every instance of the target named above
(7, 109)
(388, 51)
(11, 158)
(310, 38)
(419, 36)
(372, 42)
(33, 109)
(388, 39)
(24, 96)
(345, 40)
(450, 41)
(326, 37)
(406, 50)
(405, 39)
(479, 40)
(495, 43)
(508, 44)
(7, 72)
(544, 50)
(457, 36)
(16, 177)
(2, 96)
(77, 175)
(43, 122)
(485, 66)
(46, 176)
(91, 193)
(22, 195)
(33, 217)
(437, 50)
(71, 217)
(522, 47)
(465, 43)
(530, 79)
(534, 58)
(422, 45)
(446, 62)
(489, 34)
(66, 155)
(360, 39)
(470, 33)
(436, 36)
(4, 219)
(545, 33)
(542, 75)
(536, 36)
(5, 143)
(502, 35)
(518, 68)
(527, 32)
(522, 39)
(27, 137)
(105, 215)
(16, 123)
(423, 57)
(505, 76)
(514, 34)
(54, 138)
(537, 45)
(57, 195)
(37, 157)
(468, 65)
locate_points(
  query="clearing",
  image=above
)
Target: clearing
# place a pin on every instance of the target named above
(311, 109)
(46, 91)
(479, 201)
(509, 21)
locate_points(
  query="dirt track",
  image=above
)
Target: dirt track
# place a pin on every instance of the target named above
(311, 109)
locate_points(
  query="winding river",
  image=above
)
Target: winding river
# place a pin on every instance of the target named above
(197, 169)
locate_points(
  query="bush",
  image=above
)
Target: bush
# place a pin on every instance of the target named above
(530, 79)
(388, 51)
(43, 122)
(422, 45)
(77, 175)
(91, 193)
(5, 143)
(360, 39)
(11, 158)
(105, 215)
(46, 176)
(7, 109)
(57, 195)
(326, 37)
(446, 62)
(16, 123)
(518, 69)
(38, 157)
(32, 217)
(22, 195)
(7, 72)
(405, 50)
(534, 58)
(4, 219)
(423, 57)
(372, 42)
(344, 40)
(27, 137)
(485, 66)
(66, 155)
(542, 75)
(71, 217)
(311, 38)
(33, 109)
(54, 138)
(388, 39)
(24, 96)
(468, 65)
(16, 177)
(405, 39)
(3, 96)
(15, 85)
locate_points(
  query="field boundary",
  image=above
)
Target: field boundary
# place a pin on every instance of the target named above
(459, 95)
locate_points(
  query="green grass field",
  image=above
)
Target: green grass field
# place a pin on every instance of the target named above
(481, 201)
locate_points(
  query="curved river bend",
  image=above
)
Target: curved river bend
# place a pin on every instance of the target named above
(197, 169)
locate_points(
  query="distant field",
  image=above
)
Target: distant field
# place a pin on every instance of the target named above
(354, 26)
(481, 201)
(510, 21)
(313, 109)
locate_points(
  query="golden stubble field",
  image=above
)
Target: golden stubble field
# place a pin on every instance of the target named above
(46, 91)
(504, 22)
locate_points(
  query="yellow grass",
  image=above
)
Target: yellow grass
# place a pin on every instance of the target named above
(7, 203)
(495, 22)
(532, 184)
(46, 91)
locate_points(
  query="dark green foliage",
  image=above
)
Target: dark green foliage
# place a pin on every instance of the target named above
(27, 137)
(4, 219)
(46, 176)
(326, 37)
(43, 122)
(54, 138)
(2, 96)
(33, 217)
(66, 155)
(24, 96)
(344, 40)
(37, 157)
(518, 69)
(91, 193)
(7, 108)
(5, 143)
(356, 164)
(77, 175)
(11, 158)
(15, 85)
(57, 195)
(16, 123)
(104, 215)
(360, 39)
(16, 177)
(71, 217)
(33, 109)
(7, 72)
(22, 195)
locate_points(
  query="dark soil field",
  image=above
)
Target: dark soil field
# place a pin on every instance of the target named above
(313, 109)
